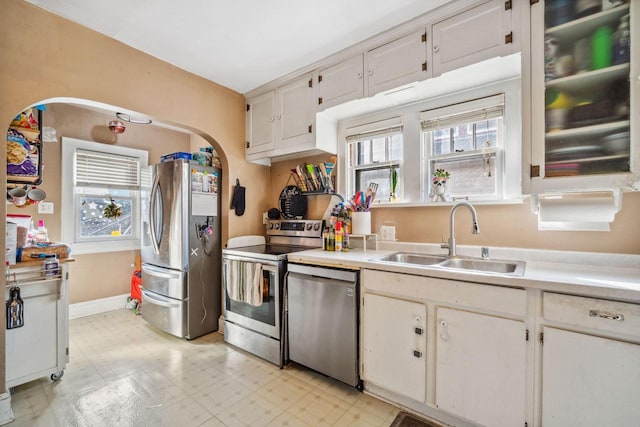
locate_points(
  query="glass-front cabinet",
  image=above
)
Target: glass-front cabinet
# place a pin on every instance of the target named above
(584, 90)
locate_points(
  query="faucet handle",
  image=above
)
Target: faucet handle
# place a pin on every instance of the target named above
(484, 252)
(444, 245)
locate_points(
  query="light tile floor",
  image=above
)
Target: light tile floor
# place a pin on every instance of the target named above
(123, 372)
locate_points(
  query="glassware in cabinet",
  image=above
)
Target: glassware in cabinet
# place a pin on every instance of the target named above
(586, 90)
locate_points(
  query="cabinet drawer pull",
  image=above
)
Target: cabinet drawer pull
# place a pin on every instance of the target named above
(418, 331)
(618, 317)
(417, 353)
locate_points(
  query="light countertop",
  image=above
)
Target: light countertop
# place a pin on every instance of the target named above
(590, 274)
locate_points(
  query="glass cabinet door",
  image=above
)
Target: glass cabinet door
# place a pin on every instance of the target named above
(581, 72)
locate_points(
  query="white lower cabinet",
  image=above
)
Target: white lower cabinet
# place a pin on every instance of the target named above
(589, 381)
(480, 364)
(394, 344)
(39, 348)
(480, 367)
(590, 362)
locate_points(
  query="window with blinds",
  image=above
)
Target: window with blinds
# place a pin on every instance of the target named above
(374, 157)
(100, 169)
(465, 140)
(101, 175)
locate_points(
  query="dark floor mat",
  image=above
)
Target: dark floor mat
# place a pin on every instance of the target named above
(405, 419)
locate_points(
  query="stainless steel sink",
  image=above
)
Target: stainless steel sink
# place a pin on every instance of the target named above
(513, 268)
(488, 266)
(409, 258)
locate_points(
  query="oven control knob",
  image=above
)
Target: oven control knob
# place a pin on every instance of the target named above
(276, 226)
(309, 226)
(270, 226)
(316, 226)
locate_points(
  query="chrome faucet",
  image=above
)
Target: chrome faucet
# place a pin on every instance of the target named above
(474, 228)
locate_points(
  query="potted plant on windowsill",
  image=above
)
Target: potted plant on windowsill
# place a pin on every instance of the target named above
(393, 196)
(113, 211)
(439, 185)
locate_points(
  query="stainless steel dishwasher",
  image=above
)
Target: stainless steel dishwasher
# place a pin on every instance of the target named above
(322, 322)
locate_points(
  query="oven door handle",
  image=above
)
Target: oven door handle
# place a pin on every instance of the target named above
(158, 300)
(266, 265)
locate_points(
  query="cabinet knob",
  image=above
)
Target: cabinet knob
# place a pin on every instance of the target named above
(359, 75)
(278, 117)
(370, 73)
(273, 118)
(418, 331)
(417, 354)
(436, 48)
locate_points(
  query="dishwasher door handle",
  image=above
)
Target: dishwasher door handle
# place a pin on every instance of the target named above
(305, 271)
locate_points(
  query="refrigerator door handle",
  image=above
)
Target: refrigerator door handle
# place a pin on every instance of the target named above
(158, 300)
(160, 272)
(152, 217)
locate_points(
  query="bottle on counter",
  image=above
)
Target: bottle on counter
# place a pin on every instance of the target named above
(621, 42)
(41, 235)
(325, 239)
(331, 242)
(339, 233)
(345, 239)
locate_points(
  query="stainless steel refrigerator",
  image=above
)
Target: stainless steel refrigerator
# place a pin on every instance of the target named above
(181, 250)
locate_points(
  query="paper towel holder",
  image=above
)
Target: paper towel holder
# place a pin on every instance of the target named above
(577, 224)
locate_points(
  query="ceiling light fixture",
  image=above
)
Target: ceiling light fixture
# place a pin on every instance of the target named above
(127, 118)
(116, 126)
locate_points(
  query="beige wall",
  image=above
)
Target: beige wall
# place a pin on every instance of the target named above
(500, 225)
(45, 56)
(95, 276)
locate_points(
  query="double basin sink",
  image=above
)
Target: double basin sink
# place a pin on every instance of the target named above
(468, 264)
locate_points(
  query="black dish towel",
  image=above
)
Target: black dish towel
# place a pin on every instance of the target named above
(237, 201)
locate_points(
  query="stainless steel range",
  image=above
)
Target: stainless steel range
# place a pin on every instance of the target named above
(253, 282)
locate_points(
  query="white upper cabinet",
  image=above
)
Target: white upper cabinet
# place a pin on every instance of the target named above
(584, 98)
(261, 112)
(401, 61)
(341, 82)
(281, 123)
(295, 121)
(480, 33)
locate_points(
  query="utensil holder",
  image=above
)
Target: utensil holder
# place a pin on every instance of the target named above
(361, 223)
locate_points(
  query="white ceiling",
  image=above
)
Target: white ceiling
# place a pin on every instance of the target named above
(240, 44)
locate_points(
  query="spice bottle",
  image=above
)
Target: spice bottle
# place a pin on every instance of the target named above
(339, 234)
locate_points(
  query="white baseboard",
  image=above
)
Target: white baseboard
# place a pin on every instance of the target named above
(6, 413)
(88, 308)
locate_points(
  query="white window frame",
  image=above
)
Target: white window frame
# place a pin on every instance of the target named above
(410, 113)
(70, 198)
(463, 113)
(376, 129)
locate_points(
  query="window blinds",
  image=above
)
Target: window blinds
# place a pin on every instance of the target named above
(476, 111)
(374, 134)
(98, 169)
